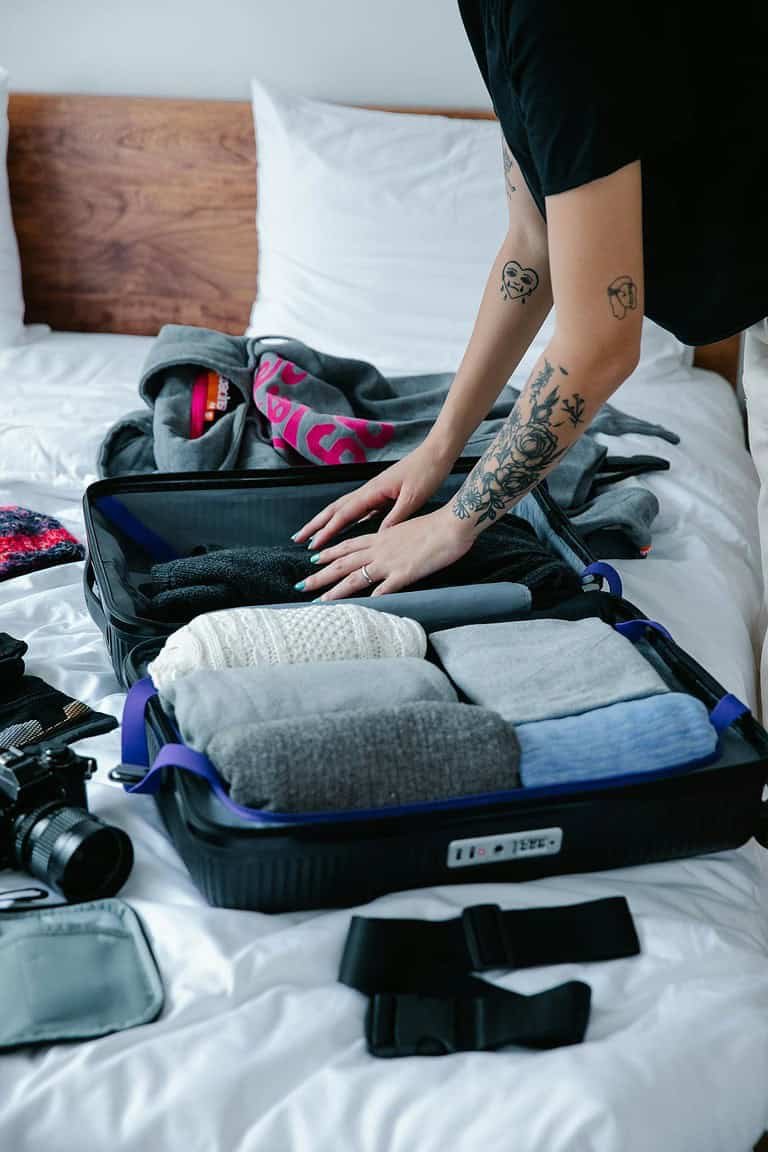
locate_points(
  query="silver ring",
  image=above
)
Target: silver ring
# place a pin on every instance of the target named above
(367, 574)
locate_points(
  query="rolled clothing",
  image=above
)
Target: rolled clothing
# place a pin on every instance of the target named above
(662, 731)
(203, 703)
(240, 637)
(437, 608)
(368, 758)
(508, 552)
(446, 608)
(540, 669)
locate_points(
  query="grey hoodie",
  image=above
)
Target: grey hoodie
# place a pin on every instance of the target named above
(280, 403)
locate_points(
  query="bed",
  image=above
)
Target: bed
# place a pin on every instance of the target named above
(258, 1047)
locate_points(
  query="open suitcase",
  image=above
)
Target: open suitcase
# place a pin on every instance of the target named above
(276, 862)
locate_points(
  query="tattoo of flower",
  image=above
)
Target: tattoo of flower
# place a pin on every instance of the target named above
(575, 408)
(525, 448)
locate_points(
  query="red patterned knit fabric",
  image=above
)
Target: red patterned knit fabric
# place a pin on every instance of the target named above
(29, 540)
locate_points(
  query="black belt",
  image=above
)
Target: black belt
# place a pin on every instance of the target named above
(424, 1000)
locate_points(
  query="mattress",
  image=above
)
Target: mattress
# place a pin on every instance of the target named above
(258, 1047)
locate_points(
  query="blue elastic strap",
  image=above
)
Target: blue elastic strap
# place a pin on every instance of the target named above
(153, 544)
(133, 734)
(635, 629)
(608, 573)
(727, 709)
(176, 756)
(134, 750)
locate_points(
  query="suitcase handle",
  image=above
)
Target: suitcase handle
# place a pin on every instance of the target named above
(92, 601)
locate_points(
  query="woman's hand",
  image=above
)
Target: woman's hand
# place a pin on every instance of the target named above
(407, 485)
(394, 558)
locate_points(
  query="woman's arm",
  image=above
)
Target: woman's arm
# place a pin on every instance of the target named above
(514, 305)
(596, 266)
(515, 302)
(595, 234)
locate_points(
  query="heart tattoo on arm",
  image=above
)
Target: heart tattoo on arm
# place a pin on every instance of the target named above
(518, 283)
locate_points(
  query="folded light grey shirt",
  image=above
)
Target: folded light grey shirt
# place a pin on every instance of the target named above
(539, 669)
(368, 758)
(206, 702)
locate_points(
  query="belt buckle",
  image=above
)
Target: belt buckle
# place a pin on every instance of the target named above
(408, 1024)
(486, 937)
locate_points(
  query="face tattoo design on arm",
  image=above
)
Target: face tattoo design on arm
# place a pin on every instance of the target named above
(622, 294)
(518, 283)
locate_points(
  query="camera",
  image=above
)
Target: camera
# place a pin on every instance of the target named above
(46, 829)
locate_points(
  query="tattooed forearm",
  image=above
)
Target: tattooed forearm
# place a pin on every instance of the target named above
(622, 296)
(518, 283)
(524, 450)
(509, 163)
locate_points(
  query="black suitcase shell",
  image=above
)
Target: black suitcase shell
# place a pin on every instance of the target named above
(281, 867)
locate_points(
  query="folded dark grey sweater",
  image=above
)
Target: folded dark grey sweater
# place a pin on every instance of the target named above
(368, 758)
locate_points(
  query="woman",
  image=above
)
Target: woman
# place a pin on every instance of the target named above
(636, 169)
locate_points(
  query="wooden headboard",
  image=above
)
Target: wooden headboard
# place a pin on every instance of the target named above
(135, 212)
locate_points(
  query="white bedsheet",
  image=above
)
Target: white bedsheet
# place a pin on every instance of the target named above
(258, 1047)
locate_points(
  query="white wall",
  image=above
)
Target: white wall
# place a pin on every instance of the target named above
(388, 51)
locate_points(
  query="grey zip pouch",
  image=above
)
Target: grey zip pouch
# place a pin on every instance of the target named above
(74, 972)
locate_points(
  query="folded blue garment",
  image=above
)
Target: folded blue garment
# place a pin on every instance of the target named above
(661, 731)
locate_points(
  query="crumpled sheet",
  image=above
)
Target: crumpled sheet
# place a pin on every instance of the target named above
(258, 1048)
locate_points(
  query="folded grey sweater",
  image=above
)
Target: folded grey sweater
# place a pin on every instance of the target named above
(205, 703)
(368, 758)
(539, 669)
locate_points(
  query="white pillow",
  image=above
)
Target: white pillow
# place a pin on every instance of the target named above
(377, 231)
(11, 296)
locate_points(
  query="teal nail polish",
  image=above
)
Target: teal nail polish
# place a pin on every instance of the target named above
(309, 542)
(299, 587)
(315, 559)
(294, 536)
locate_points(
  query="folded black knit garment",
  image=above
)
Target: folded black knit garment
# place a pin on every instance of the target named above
(32, 712)
(11, 659)
(511, 550)
(228, 578)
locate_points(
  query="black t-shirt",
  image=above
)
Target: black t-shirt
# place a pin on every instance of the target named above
(583, 88)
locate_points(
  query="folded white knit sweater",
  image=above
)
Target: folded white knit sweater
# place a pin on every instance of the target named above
(239, 637)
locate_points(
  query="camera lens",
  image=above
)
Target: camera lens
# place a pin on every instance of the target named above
(74, 852)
